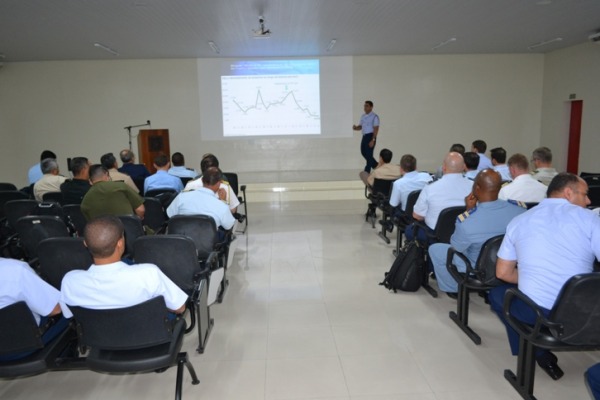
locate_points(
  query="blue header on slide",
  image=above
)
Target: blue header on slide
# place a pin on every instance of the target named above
(275, 67)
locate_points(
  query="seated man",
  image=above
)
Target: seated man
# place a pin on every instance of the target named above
(204, 201)
(479, 147)
(458, 148)
(471, 163)
(18, 282)
(35, 172)
(51, 180)
(552, 242)
(106, 197)
(178, 168)
(410, 181)
(523, 187)
(129, 166)
(110, 283)
(449, 191)
(542, 161)
(109, 162)
(486, 217)
(384, 169)
(499, 162)
(225, 192)
(74, 189)
(162, 179)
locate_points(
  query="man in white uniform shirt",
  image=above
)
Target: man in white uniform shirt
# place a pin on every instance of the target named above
(542, 161)
(523, 187)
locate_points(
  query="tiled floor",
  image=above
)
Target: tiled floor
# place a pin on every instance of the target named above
(304, 318)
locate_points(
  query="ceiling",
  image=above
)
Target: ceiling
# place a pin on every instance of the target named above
(36, 30)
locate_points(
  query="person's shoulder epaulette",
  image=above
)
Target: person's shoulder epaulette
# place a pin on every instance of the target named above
(462, 217)
(518, 203)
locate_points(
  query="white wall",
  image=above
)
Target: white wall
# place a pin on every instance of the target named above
(572, 71)
(425, 103)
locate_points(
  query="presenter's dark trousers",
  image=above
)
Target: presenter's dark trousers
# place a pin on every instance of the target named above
(367, 152)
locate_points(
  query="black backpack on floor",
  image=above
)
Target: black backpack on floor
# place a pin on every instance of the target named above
(406, 272)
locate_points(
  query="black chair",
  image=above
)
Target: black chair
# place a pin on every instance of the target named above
(7, 231)
(15, 209)
(133, 339)
(572, 325)
(584, 175)
(59, 255)
(232, 178)
(133, 230)
(76, 218)
(33, 229)
(155, 217)
(139, 183)
(203, 231)
(379, 195)
(480, 278)
(405, 219)
(24, 335)
(177, 258)
(444, 228)
(185, 180)
(56, 197)
(7, 186)
(593, 182)
(531, 204)
(165, 196)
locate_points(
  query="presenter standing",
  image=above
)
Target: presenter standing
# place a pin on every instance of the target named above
(369, 125)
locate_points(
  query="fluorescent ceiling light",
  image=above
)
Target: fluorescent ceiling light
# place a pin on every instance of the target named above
(214, 47)
(106, 48)
(545, 42)
(331, 45)
(444, 43)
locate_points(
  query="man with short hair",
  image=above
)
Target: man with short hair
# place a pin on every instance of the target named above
(499, 162)
(486, 217)
(110, 283)
(410, 181)
(369, 125)
(204, 201)
(162, 179)
(74, 189)
(225, 192)
(35, 172)
(384, 170)
(178, 168)
(471, 162)
(523, 187)
(51, 180)
(109, 162)
(479, 147)
(552, 242)
(107, 197)
(542, 161)
(129, 167)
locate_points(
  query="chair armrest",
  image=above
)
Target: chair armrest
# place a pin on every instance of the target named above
(243, 190)
(460, 277)
(521, 327)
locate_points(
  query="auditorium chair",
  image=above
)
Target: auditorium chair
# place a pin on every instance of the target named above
(32, 229)
(76, 218)
(405, 219)
(155, 217)
(232, 179)
(56, 197)
(59, 255)
(7, 186)
(133, 230)
(379, 195)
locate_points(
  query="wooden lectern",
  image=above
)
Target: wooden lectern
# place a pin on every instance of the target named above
(152, 142)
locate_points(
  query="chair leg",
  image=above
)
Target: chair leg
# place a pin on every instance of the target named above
(190, 306)
(205, 322)
(182, 359)
(425, 278)
(524, 379)
(461, 316)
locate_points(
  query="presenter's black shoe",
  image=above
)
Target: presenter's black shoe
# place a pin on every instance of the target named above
(548, 362)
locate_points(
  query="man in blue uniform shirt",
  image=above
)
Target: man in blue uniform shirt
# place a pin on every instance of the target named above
(486, 217)
(479, 147)
(552, 242)
(369, 125)
(162, 179)
(411, 180)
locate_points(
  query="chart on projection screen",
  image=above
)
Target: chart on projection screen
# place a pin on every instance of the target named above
(271, 97)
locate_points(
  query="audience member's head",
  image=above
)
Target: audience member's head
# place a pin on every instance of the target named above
(47, 154)
(386, 155)
(498, 155)
(208, 161)
(49, 166)
(127, 156)
(102, 235)
(518, 165)
(471, 160)
(570, 187)
(211, 178)
(98, 173)
(479, 146)
(453, 163)
(408, 163)
(80, 167)
(487, 185)
(177, 160)
(161, 161)
(109, 161)
(542, 157)
(458, 148)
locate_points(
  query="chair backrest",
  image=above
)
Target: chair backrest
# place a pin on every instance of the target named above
(200, 228)
(486, 262)
(590, 178)
(185, 180)
(53, 196)
(58, 256)
(444, 228)
(7, 186)
(175, 255)
(411, 200)
(531, 204)
(50, 208)
(577, 308)
(232, 178)
(382, 187)
(136, 327)
(133, 230)
(594, 195)
(8, 195)
(165, 196)
(33, 229)
(158, 192)
(76, 217)
(20, 332)
(15, 209)
(154, 216)
(139, 183)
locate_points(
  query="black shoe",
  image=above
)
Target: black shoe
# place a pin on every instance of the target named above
(432, 276)
(551, 367)
(452, 295)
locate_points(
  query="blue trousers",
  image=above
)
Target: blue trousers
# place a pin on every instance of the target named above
(438, 253)
(519, 310)
(52, 332)
(593, 380)
(367, 152)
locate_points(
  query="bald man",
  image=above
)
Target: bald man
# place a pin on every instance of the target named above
(486, 217)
